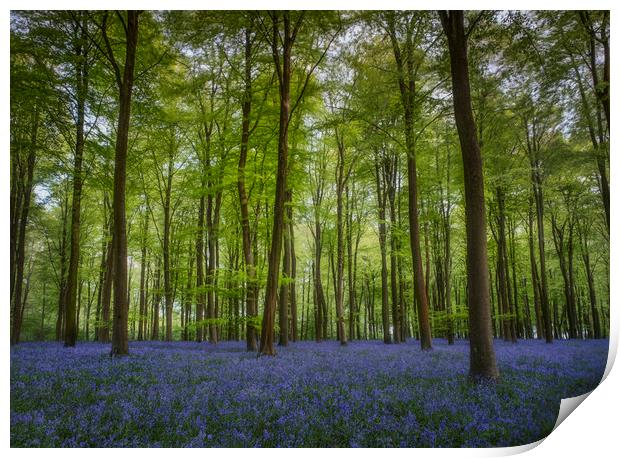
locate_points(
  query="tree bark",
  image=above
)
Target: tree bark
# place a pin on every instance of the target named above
(339, 272)
(381, 201)
(284, 78)
(166, 249)
(537, 187)
(23, 223)
(284, 287)
(251, 290)
(406, 79)
(143, 252)
(293, 277)
(120, 344)
(81, 91)
(482, 354)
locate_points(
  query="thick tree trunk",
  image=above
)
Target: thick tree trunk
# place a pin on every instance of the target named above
(120, 343)
(482, 354)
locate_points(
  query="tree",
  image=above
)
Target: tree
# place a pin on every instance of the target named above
(282, 57)
(482, 353)
(81, 50)
(251, 297)
(124, 81)
(407, 69)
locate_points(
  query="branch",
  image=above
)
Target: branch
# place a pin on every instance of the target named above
(303, 89)
(110, 54)
(473, 24)
(150, 67)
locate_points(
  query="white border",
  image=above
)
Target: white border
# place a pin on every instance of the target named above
(589, 431)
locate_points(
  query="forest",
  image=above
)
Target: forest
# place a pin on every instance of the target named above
(219, 220)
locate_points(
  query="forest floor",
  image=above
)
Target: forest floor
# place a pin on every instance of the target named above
(366, 394)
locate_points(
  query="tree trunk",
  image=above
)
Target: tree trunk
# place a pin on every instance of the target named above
(284, 77)
(353, 314)
(200, 295)
(166, 251)
(142, 318)
(81, 90)
(381, 201)
(502, 254)
(391, 193)
(156, 300)
(293, 277)
(407, 88)
(120, 344)
(482, 353)
(284, 287)
(339, 272)
(21, 241)
(251, 290)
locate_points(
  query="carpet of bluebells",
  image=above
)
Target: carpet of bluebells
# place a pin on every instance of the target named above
(366, 394)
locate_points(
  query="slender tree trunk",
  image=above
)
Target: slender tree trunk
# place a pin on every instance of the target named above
(293, 277)
(156, 300)
(600, 144)
(339, 271)
(23, 223)
(381, 201)
(544, 295)
(81, 90)
(284, 77)
(391, 192)
(16, 196)
(318, 283)
(200, 295)
(62, 280)
(106, 295)
(534, 272)
(504, 281)
(142, 318)
(251, 290)
(284, 287)
(585, 256)
(353, 314)
(406, 77)
(166, 251)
